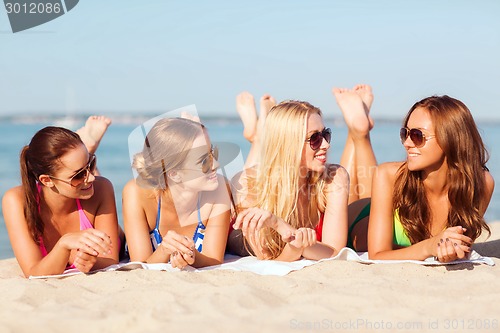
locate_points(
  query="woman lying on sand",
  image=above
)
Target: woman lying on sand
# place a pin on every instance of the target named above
(178, 209)
(433, 203)
(292, 203)
(62, 215)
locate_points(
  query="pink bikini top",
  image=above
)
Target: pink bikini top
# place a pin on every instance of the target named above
(84, 224)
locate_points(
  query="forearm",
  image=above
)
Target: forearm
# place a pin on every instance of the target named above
(160, 255)
(104, 262)
(202, 260)
(418, 251)
(319, 251)
(54, 263)
(289, 253)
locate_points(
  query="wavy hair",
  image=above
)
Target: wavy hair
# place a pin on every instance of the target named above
(42, 156)
(166, 147)
(276, 184)
(466, 156)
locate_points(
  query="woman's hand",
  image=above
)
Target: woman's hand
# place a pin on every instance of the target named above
(451, 244)
(84, 261)
(303, 238)
(180, 248)
(91, 241)
(251, 220)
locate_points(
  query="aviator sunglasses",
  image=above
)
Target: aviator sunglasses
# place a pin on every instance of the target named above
(208, 161)
(416, 136)
(316, 139)
(81, 175)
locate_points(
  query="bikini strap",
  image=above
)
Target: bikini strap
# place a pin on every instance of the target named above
(158, 212)
(198, 206)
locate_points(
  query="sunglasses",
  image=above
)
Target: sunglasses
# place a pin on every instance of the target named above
(82, 175)
(316, 140)
(208, 161)
(416, 136)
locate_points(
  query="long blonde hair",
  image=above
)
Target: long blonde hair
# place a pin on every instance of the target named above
(466, 156)
(277, 183)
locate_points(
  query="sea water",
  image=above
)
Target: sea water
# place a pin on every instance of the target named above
(114, 155)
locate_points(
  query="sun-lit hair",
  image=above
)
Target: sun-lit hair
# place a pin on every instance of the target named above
(466, 157)
(276, 185)
(42, 156)
(165, 148)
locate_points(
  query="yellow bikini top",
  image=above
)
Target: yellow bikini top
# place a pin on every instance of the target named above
(400, 238)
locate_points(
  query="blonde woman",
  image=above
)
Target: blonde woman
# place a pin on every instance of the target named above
(293, 203)
(178, 209)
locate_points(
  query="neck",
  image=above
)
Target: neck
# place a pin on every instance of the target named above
(436, 182)
(56, 202)
(184, 200)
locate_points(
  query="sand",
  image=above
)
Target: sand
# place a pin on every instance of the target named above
(329, 296)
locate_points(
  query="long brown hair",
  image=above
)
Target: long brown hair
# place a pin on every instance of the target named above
(466, 156)
(42, 156)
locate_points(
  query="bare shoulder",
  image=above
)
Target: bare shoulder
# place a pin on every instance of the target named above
(336, 172)
(388, 170)
(102, 183)
(134, 191)
(490, 181)
(337, 178)
(13, 196)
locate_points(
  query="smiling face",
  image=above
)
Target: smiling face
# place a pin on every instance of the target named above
(70, 166)
(200, 157)
(430, 156)
(314, 160)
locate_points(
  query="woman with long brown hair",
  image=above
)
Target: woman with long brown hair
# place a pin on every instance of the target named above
(62, 215)
(433, 203)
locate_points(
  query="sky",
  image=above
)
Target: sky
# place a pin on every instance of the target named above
(122, 56)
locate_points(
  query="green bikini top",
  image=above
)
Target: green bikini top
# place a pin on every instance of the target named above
(400, 238)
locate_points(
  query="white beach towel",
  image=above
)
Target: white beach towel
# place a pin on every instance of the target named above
(279, 268)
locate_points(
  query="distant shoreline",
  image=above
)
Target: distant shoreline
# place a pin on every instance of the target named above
(138, 117)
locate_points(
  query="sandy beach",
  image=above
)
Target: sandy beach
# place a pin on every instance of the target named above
(329, 296)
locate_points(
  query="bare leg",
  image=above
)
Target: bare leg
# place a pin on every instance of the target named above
(266, 104)
(358, 156)
(359, 232)
(92, 132)
(245, 105)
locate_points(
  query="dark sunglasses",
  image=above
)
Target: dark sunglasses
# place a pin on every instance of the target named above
(81, 175)
(416, 136)
(208, 161)
(316, 139)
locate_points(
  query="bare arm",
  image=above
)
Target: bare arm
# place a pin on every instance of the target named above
(27, 251)
(217, 227)
(381, 226)
(335, 216)
(106, 220)
(137, 227)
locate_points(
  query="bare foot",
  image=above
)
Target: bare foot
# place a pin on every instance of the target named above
(266, 103)
(365, 92)
(352, 108)
(245, 105)
(93, 131)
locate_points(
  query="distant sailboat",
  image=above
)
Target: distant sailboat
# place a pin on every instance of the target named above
(70, 120)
